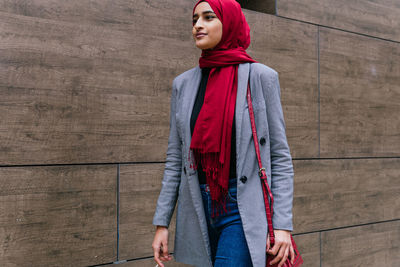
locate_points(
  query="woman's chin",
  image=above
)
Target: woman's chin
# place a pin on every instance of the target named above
(203, 46)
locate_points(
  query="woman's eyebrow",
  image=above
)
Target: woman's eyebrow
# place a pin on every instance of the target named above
(204, 12)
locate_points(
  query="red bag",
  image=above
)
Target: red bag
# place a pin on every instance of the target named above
(267, 192)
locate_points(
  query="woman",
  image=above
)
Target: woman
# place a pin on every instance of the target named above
(211, 168)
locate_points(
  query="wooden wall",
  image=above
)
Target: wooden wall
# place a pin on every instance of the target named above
(84, 121)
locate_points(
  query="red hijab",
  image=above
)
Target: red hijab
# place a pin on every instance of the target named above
(211, 140)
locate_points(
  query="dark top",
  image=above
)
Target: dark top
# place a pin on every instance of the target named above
(195, 113)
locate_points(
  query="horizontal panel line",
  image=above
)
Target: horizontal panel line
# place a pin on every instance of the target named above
(125, 261)
(339, 29)
(78, 164)
(163, 162)
(102, 264)
(345, 227)
(130, 260)
(336, 158)
(143, 258)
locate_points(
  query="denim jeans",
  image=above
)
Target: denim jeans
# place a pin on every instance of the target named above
(227, 240)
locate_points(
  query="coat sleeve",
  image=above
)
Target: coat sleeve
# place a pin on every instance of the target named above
(281, 161)
(172, 172)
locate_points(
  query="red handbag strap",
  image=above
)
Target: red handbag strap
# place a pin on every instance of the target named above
(261, 172)
(266, 190)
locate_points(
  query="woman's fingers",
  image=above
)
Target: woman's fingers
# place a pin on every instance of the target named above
(281, 250)
(274, 250)
(291, 253)
(278, 249)
(282, 247)
(164, 252)
(285, 256)
(268, 243)
(160, 245)
(157, 257)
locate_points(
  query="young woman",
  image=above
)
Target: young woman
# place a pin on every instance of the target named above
(211, 168)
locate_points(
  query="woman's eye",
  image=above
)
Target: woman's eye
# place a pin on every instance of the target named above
(209, 17)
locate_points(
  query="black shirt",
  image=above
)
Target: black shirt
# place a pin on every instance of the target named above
(195, 113)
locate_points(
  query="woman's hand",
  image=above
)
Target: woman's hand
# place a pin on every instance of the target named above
(282, 247)
(160, 245)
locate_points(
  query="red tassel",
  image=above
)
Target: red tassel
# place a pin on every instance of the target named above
(213, 170)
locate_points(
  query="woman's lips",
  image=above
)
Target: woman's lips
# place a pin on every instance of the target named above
(199, 35)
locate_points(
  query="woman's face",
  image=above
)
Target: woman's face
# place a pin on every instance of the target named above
(207, 28)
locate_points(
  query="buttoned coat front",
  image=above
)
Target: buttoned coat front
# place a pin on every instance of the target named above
(180, 182)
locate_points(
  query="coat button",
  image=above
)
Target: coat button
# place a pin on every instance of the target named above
(262, 141)
(184, 170)
(243, 179)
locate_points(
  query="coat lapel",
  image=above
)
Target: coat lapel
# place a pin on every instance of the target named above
(188, 103)
(243, 76)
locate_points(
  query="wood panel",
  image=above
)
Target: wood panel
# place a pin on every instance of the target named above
(369, 245)
(86, 81)
(309, 248)
(79, 85)
(291, 49)
(344, 192)
(140, 185)
(378, 18)
(360, 95)
(59, 215)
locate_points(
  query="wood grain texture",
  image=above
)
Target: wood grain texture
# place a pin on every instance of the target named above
(378, 18)
(369, 245)
(85, 81)
(360, 95)
(291, 49)
(309, 248)
(140, 185)
(58, 216)
(344, 192)
(89, 82)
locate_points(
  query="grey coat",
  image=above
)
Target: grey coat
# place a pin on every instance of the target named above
(180, 182)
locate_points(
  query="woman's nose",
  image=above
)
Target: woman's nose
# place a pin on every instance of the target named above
(198, 24)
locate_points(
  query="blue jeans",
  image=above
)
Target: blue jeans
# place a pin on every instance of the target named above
(227, 240)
